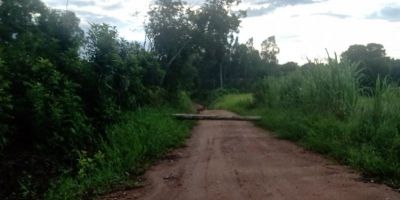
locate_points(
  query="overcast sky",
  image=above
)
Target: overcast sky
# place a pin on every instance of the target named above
(303, 28)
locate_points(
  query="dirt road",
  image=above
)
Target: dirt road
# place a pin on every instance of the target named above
(232, 160)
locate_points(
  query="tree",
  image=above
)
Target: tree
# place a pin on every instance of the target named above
(269, 50)
(288, 67)
(5, 106)
(57, 119)
(104, 61)
(138, 78)
(19, 17)
(169, 31)
(40, 104)
(60, 90)
(121, 76)
(245, 66)
(64, 38)
(371, 59)
(216, 22)
(395, 69)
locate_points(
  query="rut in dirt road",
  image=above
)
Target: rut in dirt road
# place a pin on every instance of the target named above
(234, 160)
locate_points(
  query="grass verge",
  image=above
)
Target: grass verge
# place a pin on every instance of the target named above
(347, 140)
(129, 148)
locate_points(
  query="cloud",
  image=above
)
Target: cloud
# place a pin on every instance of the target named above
(91, 17)
(390, 13)
(304, 31)
(270, 5)
(195, 2)
(82, 3)
(259, 11)
(337, 15)
(293, 36)
(282, 2)
(114, 6)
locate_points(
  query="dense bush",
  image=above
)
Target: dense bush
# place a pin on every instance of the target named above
(129, 147)
(5, 105)
(60, 90)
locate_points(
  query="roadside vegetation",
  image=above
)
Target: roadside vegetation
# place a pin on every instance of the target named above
(85, 111)
(326, 109)
(130, 146)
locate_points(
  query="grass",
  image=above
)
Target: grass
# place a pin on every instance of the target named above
(233, 101)
(325, 110)
(128, 149)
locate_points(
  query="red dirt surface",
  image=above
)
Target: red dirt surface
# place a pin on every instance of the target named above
(232, 160)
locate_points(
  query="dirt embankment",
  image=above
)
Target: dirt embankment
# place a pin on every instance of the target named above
(232, 160)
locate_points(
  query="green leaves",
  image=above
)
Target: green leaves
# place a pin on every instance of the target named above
(129, 147)
(269, 50)
(18, 17)
(59, 121)
(123, 72)
(372, 60)
(6, 106)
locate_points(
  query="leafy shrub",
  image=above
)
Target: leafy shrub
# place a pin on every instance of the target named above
(58, 121)
(129, 146)
(184, 102)
(5, 106)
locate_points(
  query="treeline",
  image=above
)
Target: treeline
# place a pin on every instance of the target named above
(373, 63)
(200, 50)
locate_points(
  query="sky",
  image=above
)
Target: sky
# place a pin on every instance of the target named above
(303, 28)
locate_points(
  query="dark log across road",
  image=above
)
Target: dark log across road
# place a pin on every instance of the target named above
(215, 117)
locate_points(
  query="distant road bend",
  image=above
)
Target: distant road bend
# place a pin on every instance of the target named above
(234, 160)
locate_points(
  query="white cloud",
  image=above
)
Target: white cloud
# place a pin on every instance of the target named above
(302, 32)
(127, 16)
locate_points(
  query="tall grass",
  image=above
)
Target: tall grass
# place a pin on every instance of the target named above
(333, 87)
(324, 109)
(129, 147)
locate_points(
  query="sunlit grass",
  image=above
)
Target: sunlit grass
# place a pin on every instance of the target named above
(233, 101)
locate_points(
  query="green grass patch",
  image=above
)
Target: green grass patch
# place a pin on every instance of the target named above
(373, 149)
(129, 148)
(234, 102)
